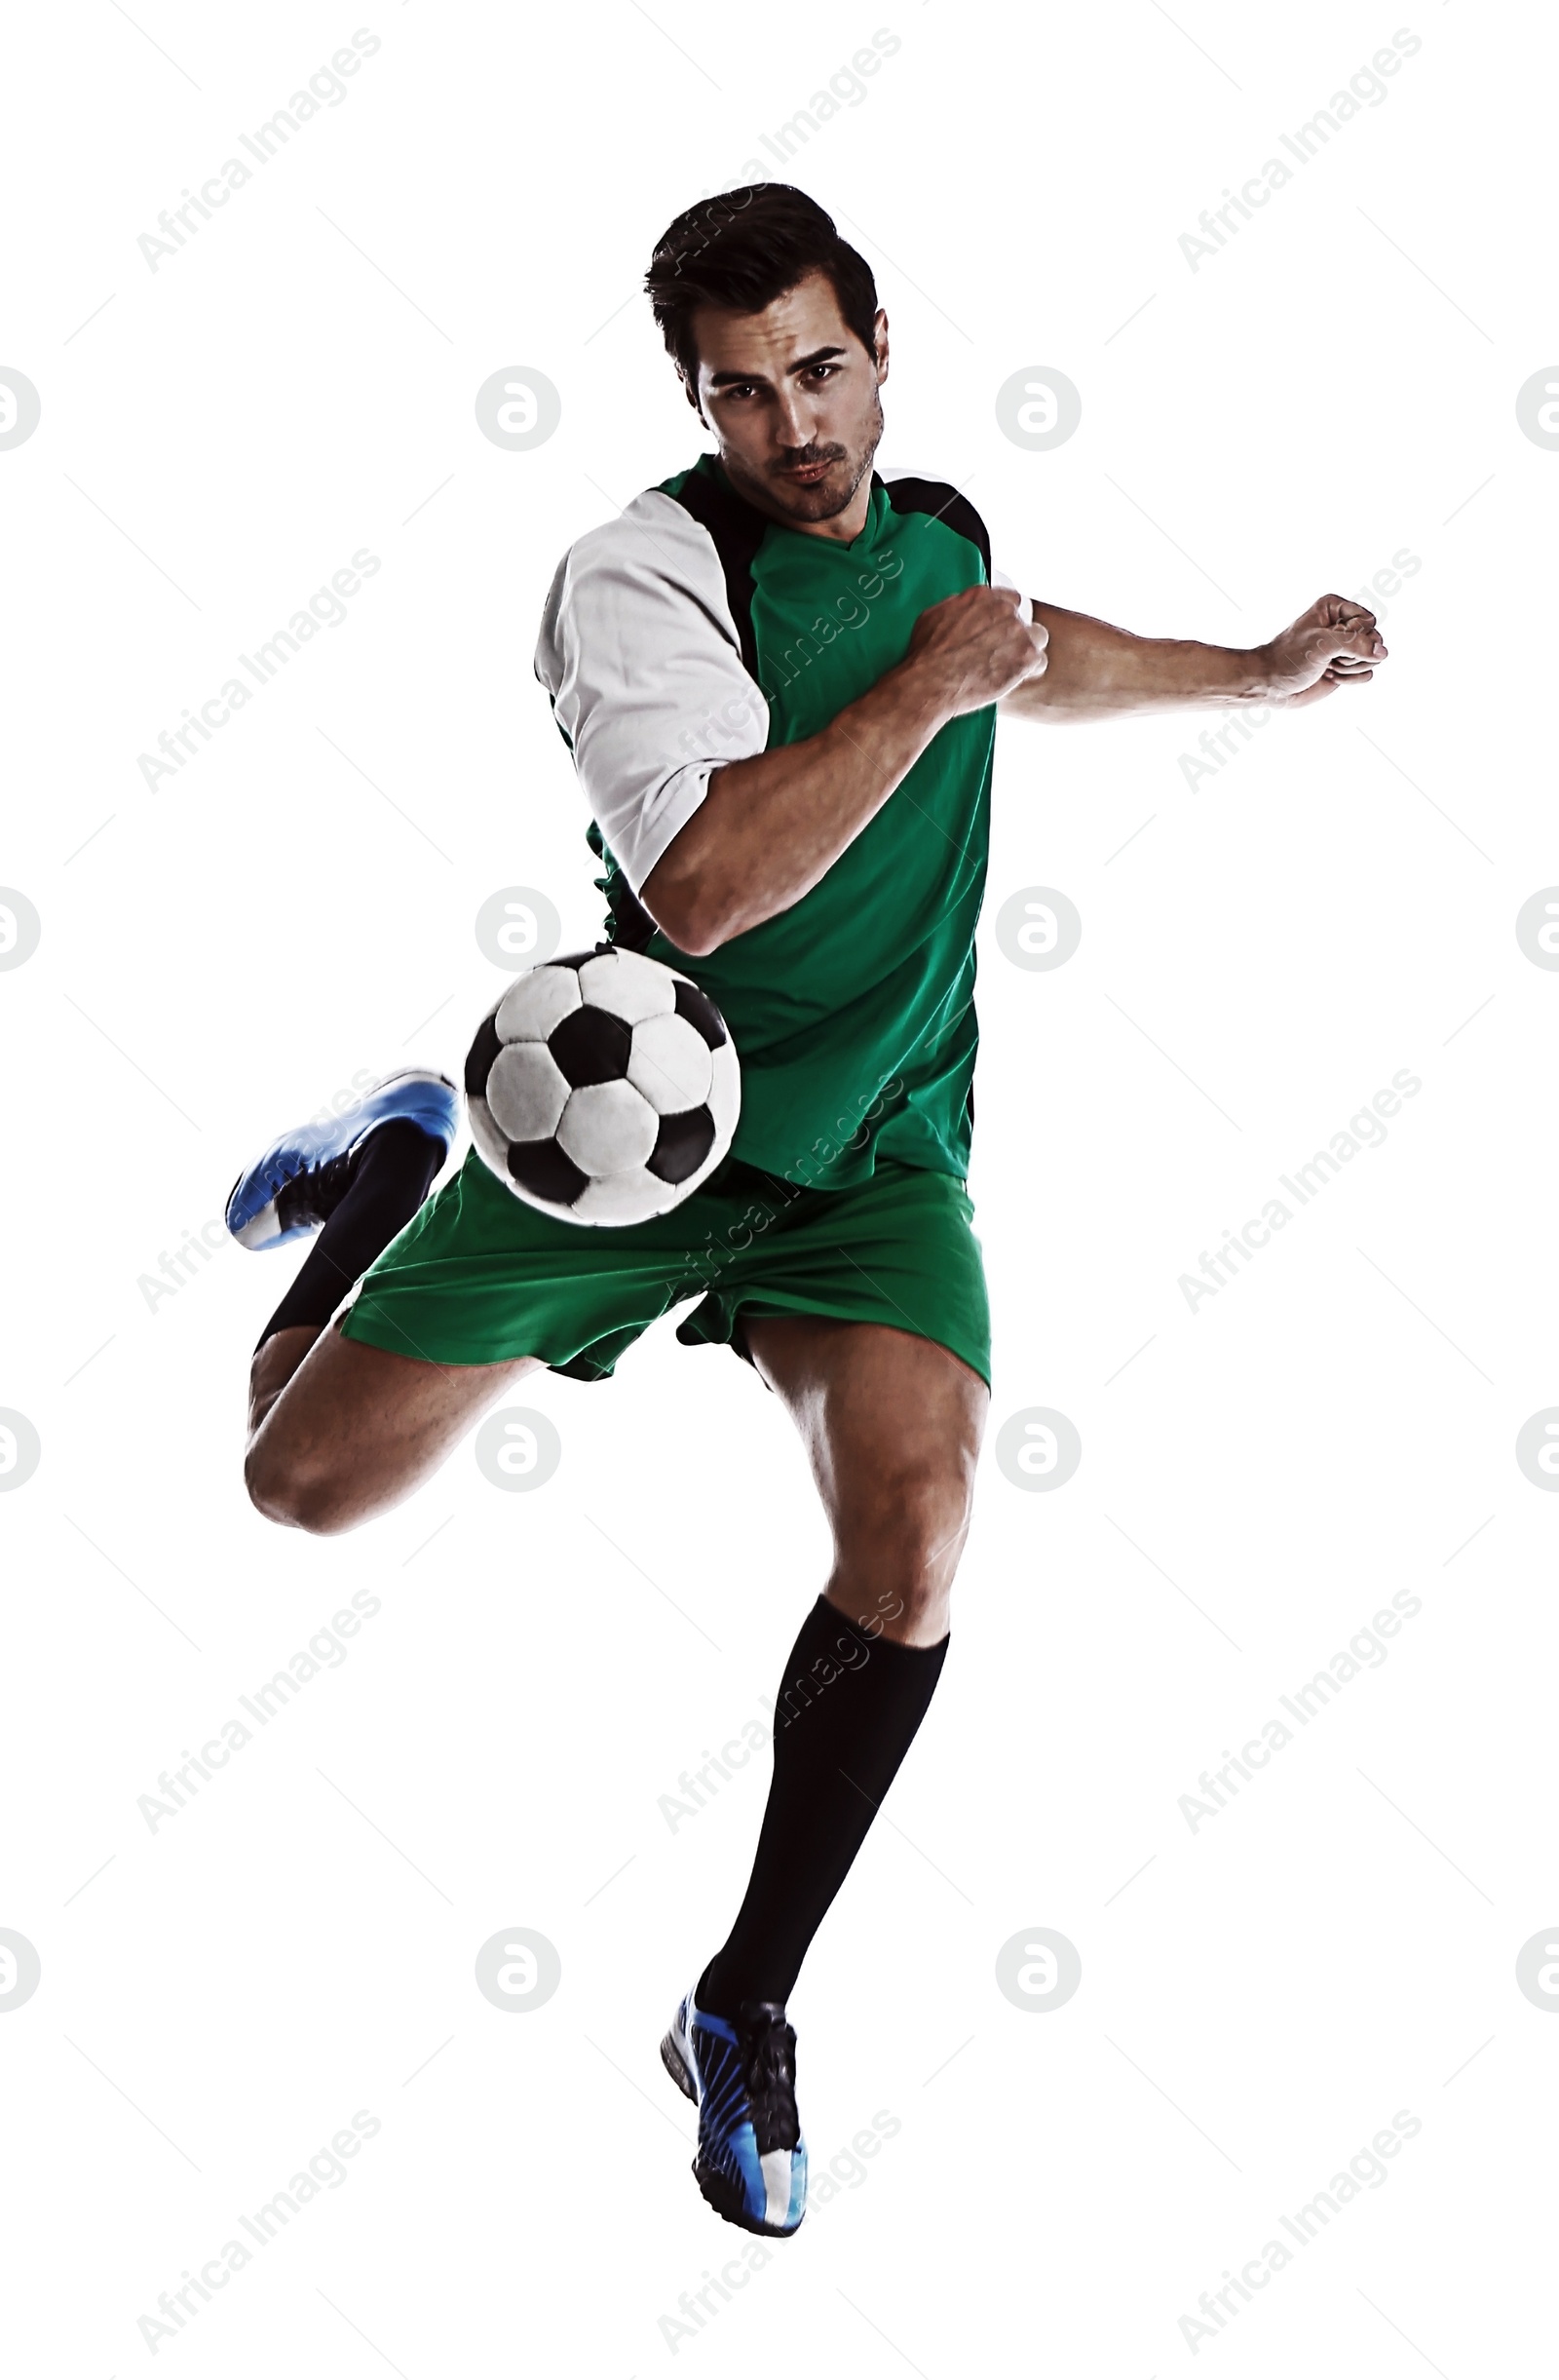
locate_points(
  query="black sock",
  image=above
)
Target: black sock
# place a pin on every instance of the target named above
(387, 1182)
(848, 1711)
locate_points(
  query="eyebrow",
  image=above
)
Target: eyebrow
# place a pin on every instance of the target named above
(819, 355)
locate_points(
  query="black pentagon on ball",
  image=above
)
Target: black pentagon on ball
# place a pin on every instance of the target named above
(478, 1064)
(543, 1169)
(590, 1045)
(682, 1144)
(700, 1013)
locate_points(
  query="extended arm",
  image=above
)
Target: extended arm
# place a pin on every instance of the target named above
(769, 828)
(1098, 672)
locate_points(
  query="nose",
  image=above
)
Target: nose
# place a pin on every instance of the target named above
(793, 428)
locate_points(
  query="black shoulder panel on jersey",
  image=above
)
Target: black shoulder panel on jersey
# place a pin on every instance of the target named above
(737, 531)
(628, 923)
(942, 502)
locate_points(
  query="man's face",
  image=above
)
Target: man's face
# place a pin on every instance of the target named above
(791, 396)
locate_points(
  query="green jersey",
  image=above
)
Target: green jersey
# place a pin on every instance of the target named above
(695, 632)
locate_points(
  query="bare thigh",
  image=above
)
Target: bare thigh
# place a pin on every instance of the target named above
(892, 1425)
(357, 1429)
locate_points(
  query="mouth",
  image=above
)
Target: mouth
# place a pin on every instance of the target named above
(805, 475)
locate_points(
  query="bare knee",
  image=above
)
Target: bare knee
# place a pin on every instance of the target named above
(899, 1552)
(294, 1494)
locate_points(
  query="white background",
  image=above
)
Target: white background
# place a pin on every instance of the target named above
(218, 957)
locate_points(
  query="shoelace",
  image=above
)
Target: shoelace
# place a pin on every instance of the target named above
(312, 1196)
(770, 2080)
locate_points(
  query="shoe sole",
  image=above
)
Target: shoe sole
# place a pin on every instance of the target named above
(719, 2191)
(722, 2195)
(675, 2064)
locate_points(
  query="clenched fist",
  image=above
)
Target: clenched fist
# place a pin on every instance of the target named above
(972, 648)
(1335, 643)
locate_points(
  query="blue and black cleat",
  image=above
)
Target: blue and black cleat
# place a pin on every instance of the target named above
(291, 1190)
(751, 2161)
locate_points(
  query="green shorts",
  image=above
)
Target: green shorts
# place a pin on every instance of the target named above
(477, 1275)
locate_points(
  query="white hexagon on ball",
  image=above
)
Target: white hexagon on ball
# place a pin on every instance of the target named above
(606, 1127)
(629, 1197)
(670, 1062)
(725, 1092)
(630, 984)
(527, 1091)
(536, 1002)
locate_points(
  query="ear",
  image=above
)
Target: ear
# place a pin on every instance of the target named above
(689, 392)
(880, 337)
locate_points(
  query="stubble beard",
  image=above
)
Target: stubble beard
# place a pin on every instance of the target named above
(824, 501)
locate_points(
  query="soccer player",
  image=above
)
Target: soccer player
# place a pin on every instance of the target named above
(778, 675)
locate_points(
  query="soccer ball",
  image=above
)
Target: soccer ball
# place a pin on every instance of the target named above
(602, 1087)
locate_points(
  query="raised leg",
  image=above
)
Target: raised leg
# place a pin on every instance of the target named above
(340, 1430)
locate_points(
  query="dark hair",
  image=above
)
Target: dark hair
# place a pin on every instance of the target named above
(743, 248)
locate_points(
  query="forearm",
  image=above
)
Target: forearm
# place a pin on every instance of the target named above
(1098, 672)
(769, 828)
